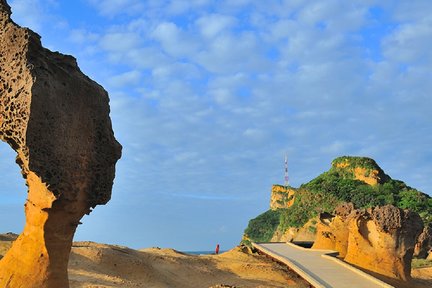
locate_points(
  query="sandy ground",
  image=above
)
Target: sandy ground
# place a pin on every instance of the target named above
(422, 277)
(95, 265)
(98, 265)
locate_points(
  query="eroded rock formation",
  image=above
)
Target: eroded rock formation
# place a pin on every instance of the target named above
(379, 239)
(423, 246)
(333, 230)
(57, 121)
(281, 197)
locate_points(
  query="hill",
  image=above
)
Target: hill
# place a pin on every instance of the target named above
(350, 179)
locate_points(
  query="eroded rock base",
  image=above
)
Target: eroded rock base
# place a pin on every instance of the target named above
(379, 239)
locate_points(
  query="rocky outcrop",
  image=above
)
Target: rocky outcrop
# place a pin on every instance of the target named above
(281, 197)
(361, 168)
(332, 231)
(57, 121)
(379, 239)
(423, 246)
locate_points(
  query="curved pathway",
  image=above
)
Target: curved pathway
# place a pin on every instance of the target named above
(319, 267)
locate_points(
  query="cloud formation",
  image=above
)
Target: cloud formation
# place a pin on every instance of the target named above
(207, 96)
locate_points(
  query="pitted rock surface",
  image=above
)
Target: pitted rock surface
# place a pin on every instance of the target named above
(57, 121)
(423, 246)
(379, 239)
(344, 210)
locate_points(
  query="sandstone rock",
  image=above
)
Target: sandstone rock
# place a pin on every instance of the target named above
(281, 197)
(332, 234)
(343, 210)
(424, 243)
(57, 121)
(381, 239)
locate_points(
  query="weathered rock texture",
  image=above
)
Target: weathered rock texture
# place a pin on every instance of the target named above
(57, 120)
(281, 197)
(423, 246)
(332, 231)
(379, 239)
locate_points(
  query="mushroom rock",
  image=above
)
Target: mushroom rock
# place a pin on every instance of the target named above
(382, 240)
(57, 121)
(379, 239)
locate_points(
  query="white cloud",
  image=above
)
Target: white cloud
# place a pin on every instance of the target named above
(410, 43)
(81, 36)
(233, 54)
(120, 42)
(112, 8)
(125, 79)
(334, 148)
(221, 95)
(28, 13)
(174, 41)
(212, 25)
(182, 6)
(254, 133)
(214, 92)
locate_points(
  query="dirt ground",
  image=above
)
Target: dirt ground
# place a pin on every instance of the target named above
(98, 265)
(94, 265)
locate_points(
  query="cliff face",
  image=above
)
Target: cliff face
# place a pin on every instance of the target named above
(281, 197)
(57, 121)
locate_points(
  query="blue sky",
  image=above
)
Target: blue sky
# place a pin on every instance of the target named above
(207, 96)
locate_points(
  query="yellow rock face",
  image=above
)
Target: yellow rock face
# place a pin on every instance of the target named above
(381, 239)
(281, 197)
(332, 234)
(369, 176)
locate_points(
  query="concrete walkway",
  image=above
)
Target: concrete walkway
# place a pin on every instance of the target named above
(319, 267)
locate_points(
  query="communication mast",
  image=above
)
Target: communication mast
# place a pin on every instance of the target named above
(286, 171)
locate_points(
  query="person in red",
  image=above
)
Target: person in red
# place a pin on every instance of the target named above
(217, 249)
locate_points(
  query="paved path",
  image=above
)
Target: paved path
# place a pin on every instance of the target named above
(319, 268)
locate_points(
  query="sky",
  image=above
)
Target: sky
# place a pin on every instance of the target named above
(208, 96)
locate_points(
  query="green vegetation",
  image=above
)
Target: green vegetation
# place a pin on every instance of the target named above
(306, 206)
(421, 263)
(246, 242)
(363, 162)
(262, 228)
(393, 192)
(312, 229)
(337, 185)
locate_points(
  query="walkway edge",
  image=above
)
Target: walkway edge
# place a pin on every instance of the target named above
(329, 255)
(312, 280)
(358, 271)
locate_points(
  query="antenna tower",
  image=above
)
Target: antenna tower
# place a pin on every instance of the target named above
(286, 171)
